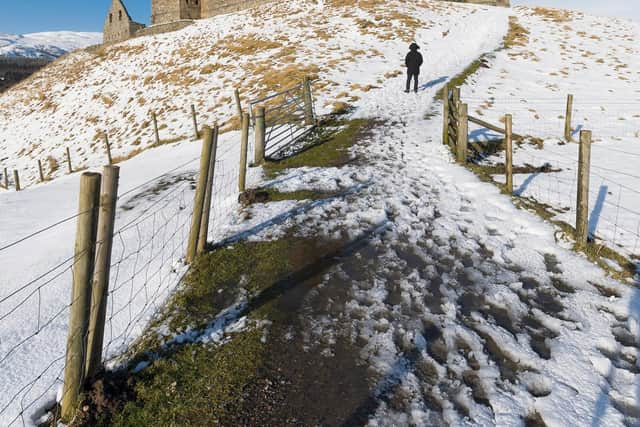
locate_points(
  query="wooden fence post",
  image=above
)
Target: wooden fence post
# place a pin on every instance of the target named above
(568, 119)
(6, 179)
(16, 179)
(236, 95)
(106, 225)
(156, 133)
(194, 117)
(463, 134)
(40, 172)
(308, 102)
(244, 146)
(83, 266)
(508, 139)
(196, 219)
(206, 208)
(445, 115)
(456, 95)
(582, 209)
(260, 135)
(69, 161)
(108, 147)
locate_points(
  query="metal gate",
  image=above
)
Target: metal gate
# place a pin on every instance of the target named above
(289, 119)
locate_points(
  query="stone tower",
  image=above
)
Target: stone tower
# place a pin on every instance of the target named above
(163, 11)
(119, 26)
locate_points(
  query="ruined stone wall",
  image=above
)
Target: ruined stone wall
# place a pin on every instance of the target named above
(163, 11)
(190, 9)
(163, 28)
(212, 8)
(118, 25)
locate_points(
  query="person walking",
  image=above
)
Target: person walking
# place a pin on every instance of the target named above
(413, 61)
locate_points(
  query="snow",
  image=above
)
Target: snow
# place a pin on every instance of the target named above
(477, 266)
(48, 45)
(596, 60)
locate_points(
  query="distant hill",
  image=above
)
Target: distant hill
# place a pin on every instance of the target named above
(48, 45)
(22, 55)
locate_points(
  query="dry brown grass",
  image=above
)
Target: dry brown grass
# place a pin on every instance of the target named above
(52, 165)
(246, 45)
(363, 88)
(392, 74)
(339, 107)
(517, 34)
(553, 15)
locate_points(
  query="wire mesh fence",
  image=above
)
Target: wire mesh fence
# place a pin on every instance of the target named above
(152, 228)
(546, 160)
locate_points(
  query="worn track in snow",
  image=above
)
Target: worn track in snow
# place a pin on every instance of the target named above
(461, 309)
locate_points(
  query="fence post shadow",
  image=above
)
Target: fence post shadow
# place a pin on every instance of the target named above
(594, 218)
(523, 187)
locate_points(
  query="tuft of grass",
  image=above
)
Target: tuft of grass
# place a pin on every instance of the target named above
(558, 16)
(277, 196)
(517, 34)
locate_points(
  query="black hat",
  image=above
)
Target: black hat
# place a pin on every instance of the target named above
(414, 46)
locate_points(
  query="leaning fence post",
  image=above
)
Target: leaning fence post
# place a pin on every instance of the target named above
(6, 179)
(156, 133)
(508, 139)
(69, 161)
(236, 95)
(106, 223)
(196, 219)
(194, 117)
(463, 134)
(308, 102)
(582, 210)
(16, 179)
(40, 172)
(260, 130)
(445, 115)
(83, 266)
(206, 207)
(568, 118)
(244, 145)
(108, 148)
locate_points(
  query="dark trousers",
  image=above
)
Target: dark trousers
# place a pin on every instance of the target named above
(411, 75)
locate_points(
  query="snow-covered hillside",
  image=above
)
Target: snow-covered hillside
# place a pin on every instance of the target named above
(351, 50)
(48, 45)
(466, 310)
(115, 88)
(554, 53)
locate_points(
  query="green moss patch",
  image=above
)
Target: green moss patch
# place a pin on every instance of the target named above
(327, 147)
(197, 385)
(191, 383)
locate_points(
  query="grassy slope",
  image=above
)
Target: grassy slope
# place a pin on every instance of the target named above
(192, 383)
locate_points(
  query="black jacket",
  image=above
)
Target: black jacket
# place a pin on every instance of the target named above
(413, 61)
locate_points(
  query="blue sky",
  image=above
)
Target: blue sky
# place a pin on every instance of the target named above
(27, 16)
